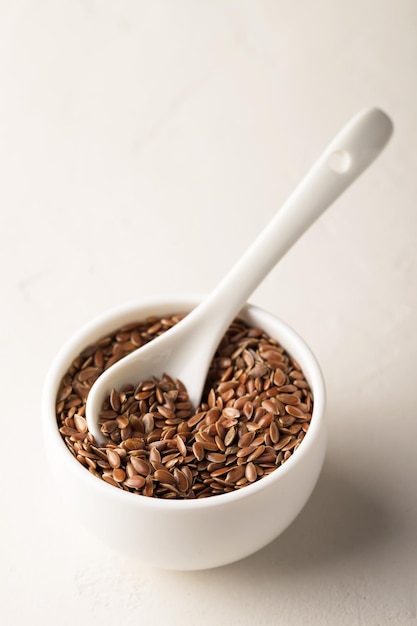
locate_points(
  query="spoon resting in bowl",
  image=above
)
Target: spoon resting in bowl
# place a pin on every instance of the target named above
(186, 350)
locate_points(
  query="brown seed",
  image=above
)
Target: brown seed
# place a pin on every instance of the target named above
(125, 433)
(228, 395)
(266, 458)
(207, 444)
(173, 461)
(122, 422)
(235, 474)
(288, 398)
(219, 471)
(152, 330)
(80, 423)
(265, 420)
(165, 412)
(198, 451)
(228, 422)
(250, 472)
(133, 443)
(64, 393)
(90, 463)
(288, 389)
(294, 411)
(88, 373)
(130, 470)
(69, 432)
(212, 416)
(246, 439)
(135, 482)
(285, 420)
(256, 453)
(113, 458)
(220, 443)
(240, 402)
(283, 442)
(188, 473)
(195, 419)
(268, 350)
(220, 430)
(110, 480)
(148, 488)
(154, 455)
(226, 386)
(115, 400)
(181, 445)
(108, 414)
(163, 476)
(296, 373)
(274, 432)
(85, 454)
(119, 475)
(216, 457)
(290, 445)
(211, 399)
(259, 440)
(245, 451)
(252, 427)
(182, 480)
(230, 435)
(258, 371)
(248, 409)
(270, 406)
(148, 423)
(140, 465)
(136, 339)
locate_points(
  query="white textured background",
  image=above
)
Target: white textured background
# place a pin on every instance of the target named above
(143, 145)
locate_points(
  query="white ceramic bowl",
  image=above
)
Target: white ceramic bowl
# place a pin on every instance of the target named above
(187, 534)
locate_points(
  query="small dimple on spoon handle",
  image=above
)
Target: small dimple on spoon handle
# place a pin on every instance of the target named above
(186, 350)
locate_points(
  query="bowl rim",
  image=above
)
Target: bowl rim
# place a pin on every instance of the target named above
(106, 322)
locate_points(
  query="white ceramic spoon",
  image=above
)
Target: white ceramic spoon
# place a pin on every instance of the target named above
(186, 350)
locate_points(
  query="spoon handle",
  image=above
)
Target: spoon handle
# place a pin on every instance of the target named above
(348, 155)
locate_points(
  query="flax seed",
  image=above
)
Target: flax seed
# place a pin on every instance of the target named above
(250, 472)
(135, 482)
(254, 415)
(163, 476)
